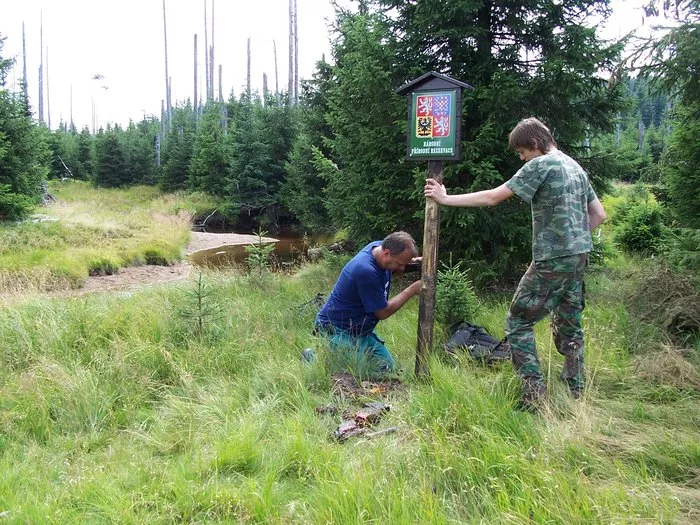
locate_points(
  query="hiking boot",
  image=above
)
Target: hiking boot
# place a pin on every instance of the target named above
(308, 355)
(534, 394)
(575, 387)
(576, 390)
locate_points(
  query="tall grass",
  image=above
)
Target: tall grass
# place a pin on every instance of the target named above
(119, 408)
(94, 231)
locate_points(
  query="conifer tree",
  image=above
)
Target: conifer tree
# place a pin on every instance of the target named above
(85, 156)
(110, 169)
(523, 58)
(24, 153)
(303, 190)
(178, 150)
(211, 157)
(139, 153)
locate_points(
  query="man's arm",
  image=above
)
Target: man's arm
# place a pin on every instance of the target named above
(478, 199)
(396, 302)
(596, 214)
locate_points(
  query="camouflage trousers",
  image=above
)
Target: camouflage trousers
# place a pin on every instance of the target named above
(556, 286)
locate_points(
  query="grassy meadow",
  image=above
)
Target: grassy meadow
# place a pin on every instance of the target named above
(154, 407)
(89, 231)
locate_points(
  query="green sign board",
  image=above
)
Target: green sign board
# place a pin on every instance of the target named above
(433, 125)
(434, 117)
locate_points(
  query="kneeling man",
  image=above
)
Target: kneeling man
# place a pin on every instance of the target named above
(360, 298)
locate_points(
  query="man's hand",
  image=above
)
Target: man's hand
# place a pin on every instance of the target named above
(435, 190)
(414, 266)
(416, 287)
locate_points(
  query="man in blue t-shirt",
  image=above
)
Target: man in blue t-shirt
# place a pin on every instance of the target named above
(360, 297)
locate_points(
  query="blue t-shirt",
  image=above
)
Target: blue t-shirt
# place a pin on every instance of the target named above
(361, 289)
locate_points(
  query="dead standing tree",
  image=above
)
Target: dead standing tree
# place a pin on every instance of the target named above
(48, 92)
(206, 52)
(41, 69)
(211, 53)
(247, 84)
(277, 86)
(167, 77)
(296, 56)
(194, 105)
(291, 53)
(264, 89)
(24, 67)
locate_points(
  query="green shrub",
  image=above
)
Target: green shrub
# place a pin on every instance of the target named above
(13, 206)
(455, 299)
(642, 229)
(682, 249)
(602, 250)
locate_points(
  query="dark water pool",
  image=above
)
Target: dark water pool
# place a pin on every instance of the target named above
(286, 252)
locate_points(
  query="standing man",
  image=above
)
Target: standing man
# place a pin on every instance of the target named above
(360, 298)
(565, 210)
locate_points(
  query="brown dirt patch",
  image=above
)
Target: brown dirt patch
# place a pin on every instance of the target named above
(136, 277)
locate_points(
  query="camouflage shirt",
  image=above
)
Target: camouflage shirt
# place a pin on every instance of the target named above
(559, 192)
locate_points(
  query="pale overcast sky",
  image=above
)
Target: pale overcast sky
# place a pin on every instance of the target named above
(123, 41)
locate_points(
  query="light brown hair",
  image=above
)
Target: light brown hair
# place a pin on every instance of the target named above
(531, 133)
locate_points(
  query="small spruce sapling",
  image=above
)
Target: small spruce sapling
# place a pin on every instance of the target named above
(455, 298)
(259, 254)
(201, 306)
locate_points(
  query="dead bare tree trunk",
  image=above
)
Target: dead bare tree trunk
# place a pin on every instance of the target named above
(290, 86)
(206, 51)
(72, 125)
(248, 94)
(156, 145)
(296, 56)
(24, 67)
(41, 69)
(221, 86)
(170, 113)
(277, 87)
(162, 119)
(194, 104)
(48, 92)
(167, 76)
(264, 89)
(211, 72)
(211, 52)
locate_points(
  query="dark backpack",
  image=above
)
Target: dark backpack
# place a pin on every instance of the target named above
(480, 344)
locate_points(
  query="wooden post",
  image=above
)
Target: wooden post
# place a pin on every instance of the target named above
(426, 308)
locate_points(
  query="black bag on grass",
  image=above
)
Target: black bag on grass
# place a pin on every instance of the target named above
(480, 344)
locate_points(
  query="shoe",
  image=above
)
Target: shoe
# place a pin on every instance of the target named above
(308, 355)
(534, 394)
(576, 388)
